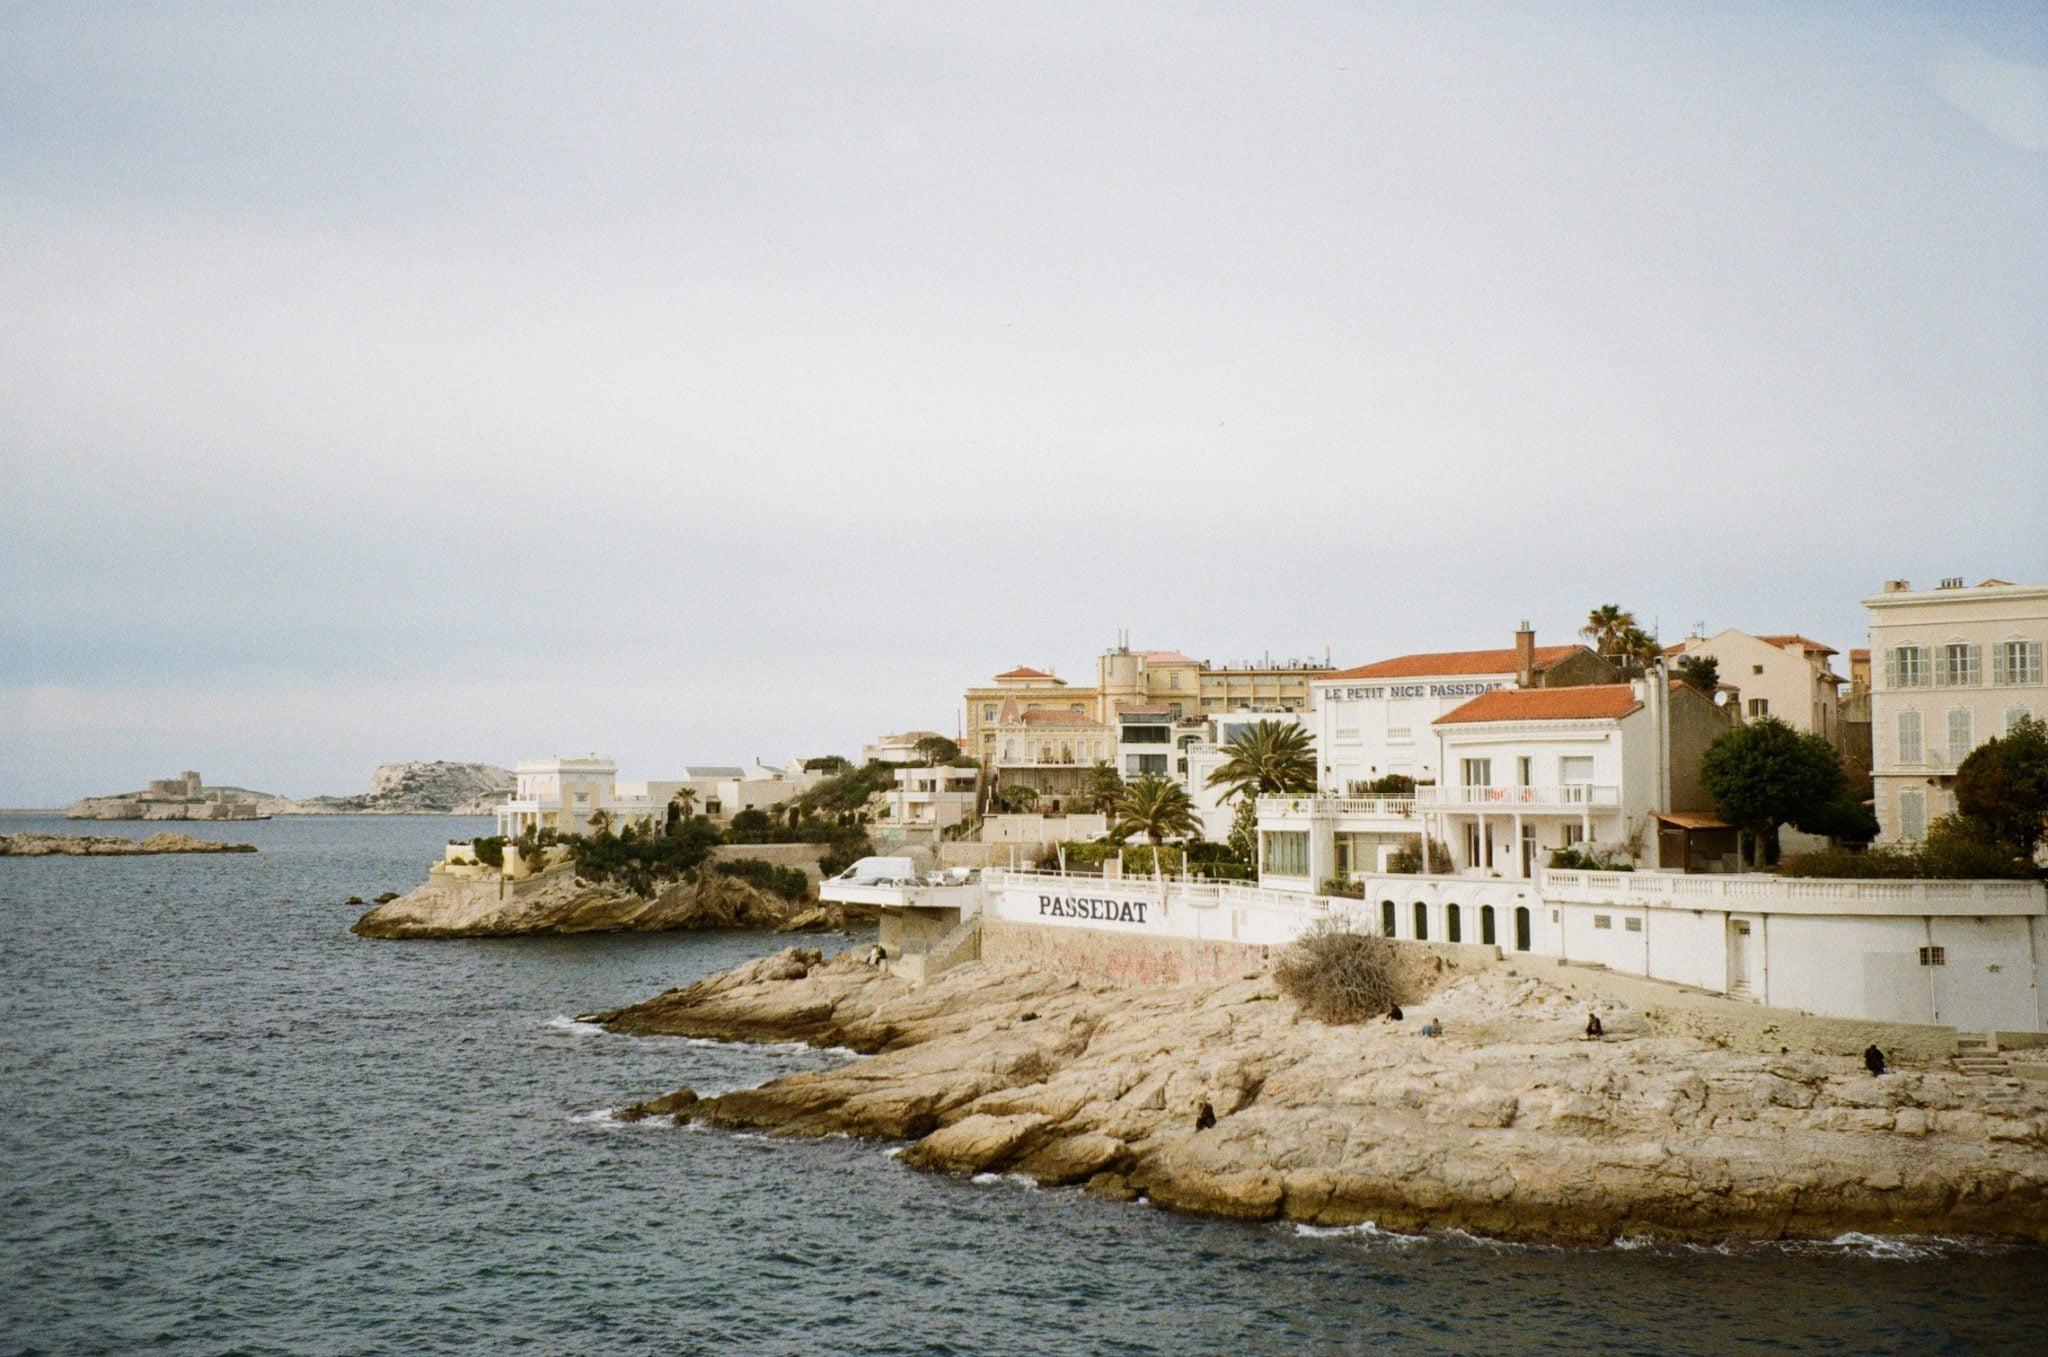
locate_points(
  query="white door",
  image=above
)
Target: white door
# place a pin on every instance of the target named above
(1738, 958)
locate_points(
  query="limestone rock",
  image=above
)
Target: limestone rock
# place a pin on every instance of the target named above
(1509, 1125)
(557, 901)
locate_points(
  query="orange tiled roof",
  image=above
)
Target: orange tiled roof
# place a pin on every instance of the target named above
(1054, 716)
(1453, 662)
(1024, 671)
(1795, 639)
(1860, 653)
(1596, 702)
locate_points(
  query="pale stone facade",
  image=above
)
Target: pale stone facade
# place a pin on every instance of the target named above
(1785, 676)
(1951, 667)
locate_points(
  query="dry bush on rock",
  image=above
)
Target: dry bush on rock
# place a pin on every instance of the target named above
(1339, 974)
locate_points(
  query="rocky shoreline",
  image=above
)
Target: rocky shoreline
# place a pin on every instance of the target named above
(1510, 1125)
(100, 845)
(558, 902)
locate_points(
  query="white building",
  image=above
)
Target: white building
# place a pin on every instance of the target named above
(1529, 771)
(1373, 721)
(562, 795)
(1209, 750)
(1144, 742)
(1049, 750)
(1786, 676)
(897, 749)
(1951, 667)
(925, 802)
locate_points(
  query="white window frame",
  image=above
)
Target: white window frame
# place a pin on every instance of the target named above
(1962, 732)
(1483, 767)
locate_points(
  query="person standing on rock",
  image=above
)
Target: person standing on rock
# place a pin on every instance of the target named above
(1594, 1031)
(1205, 1118)
(1873, 1059)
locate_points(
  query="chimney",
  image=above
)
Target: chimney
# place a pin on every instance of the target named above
(1525, 656)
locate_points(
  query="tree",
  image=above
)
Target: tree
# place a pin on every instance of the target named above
(1605, 626)
(2003, 786)
(601, 821)
(828, 763)
(1244, 831)
(1702, 672)
(682, 806)
(1016, 798)
(936, 749)
(1100, 789)
(1267, 757)
(1764, 774)
(1156, 808)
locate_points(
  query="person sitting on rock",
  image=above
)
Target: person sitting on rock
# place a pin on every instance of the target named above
(1432, 1028)
(876, 956)
(1594, 1031)
(1394, 1013)
(1205, 1118)
(1873, 1059)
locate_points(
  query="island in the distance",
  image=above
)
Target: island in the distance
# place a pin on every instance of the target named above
(104, 846)
(436, 788)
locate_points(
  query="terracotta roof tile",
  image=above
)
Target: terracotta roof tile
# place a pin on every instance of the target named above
(1597, 702)
(1794, 639)
(1054, 716)
(1166, 657)
(1446, 662)
(1024, 671)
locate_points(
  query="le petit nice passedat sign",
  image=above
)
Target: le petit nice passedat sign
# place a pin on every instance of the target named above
(1393, 690)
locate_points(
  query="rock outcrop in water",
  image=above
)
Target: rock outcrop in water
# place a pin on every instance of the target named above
(1510, 1124)
(99, 845)
(395, 789)
(556, 901)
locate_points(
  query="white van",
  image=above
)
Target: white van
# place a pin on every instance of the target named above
(880, 872)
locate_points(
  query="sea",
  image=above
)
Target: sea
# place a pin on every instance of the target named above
(229, 1126)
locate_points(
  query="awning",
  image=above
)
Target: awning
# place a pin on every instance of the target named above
(1691, 819)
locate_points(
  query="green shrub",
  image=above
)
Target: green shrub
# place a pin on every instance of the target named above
(1350, 890)
(788, 882)
(1956, 849)
(489, 850)
(639, 860)
(1407, 859)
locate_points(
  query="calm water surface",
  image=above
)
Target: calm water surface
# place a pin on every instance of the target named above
(230, 1126)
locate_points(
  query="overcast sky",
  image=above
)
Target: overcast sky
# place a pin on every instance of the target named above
(689, 383)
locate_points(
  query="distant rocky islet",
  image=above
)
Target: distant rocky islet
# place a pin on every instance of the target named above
(416, 788)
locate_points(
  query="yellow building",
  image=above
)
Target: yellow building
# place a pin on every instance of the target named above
(1126, 678)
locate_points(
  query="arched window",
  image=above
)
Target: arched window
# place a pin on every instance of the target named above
(1421, 922)
(1387, 918)
(1453, 932)
(1486, 925)
(1521, 928)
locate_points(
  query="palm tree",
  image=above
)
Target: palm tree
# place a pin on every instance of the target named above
(1605, 624)
(682, 806)
(1100, 788)
(1156, 808)
(1267, 757)
(1634, 649)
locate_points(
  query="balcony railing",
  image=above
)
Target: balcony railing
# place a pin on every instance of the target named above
(1569, 796)
(1327, 803)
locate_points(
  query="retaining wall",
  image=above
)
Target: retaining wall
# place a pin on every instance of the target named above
(1743, 1026)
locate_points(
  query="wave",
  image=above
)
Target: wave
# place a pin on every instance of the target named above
(1023, 1180)
(562, 1022)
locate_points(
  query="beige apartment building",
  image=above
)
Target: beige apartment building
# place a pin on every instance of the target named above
(1127, 678)
(1951, 667)
(1787, 676)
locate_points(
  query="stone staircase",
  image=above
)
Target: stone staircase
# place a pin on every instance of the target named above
(1976, 1056)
